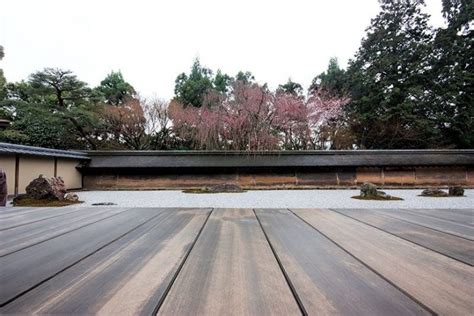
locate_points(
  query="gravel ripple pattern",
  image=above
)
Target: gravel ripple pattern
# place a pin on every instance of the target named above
(273, 199)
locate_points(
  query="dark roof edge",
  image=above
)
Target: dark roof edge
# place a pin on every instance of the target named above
(276, 153)
(6, 148)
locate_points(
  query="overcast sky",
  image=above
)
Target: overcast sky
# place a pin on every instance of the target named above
(151, 42)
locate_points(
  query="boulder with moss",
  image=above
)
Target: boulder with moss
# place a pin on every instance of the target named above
(368, 191)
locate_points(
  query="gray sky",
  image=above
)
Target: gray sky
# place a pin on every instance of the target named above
(151, 42)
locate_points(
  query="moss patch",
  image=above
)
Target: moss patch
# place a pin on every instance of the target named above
(44, 203)
(377, 198)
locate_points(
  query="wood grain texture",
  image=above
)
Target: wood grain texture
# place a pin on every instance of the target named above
(455, 247)
(128, 277)
(461, 230)
(28, 217)
(8, 210)
(26, 235)
(327, 279)
(439, 282)
(231, 270)
(465, 217)
(24, 269)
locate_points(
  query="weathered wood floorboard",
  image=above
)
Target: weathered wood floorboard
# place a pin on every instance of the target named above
(9, 210)
(128, 277)
(452, 246)
(16, 220)
(456, 216)
(461, 230)
(326, 278)
(439, 282)
(26, 235)
(231, 270)
(24, 269)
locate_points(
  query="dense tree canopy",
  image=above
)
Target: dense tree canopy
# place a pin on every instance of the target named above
(114, 89)
(408, 86)
(389, 78)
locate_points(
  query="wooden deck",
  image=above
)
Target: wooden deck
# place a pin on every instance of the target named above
(236, 261)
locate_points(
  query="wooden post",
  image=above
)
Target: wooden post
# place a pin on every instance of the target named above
(17, 173)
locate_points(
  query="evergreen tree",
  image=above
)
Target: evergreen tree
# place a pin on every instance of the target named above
(291, 87)
(389, 80)
(114, 89)
(453, 74)
(333, 80)
(191, 90)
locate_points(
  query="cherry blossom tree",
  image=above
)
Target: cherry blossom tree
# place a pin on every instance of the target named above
(253, 118)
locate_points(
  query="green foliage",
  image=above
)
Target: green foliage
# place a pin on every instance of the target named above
(388, 81)
(114, 89)
(37, 126)
(191, 89)
(291, 87)
(201, 86)
(3, 86)
(60, 86)
(246, 77)
(222, 82)
(453, 74)
(333, 80)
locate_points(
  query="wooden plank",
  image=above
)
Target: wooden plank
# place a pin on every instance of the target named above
(36, 215)
(461, 230)
(452, 246)
(452, 215)
(128, 277)
(14, 239)
(8, 210)
(326, 278)
(230, 270)
(25, 269)
(441, 283)
(20, 211)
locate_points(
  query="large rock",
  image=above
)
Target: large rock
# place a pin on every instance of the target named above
(43, 188)
(456, 191)
(434, 192)
(368, 189)
(226, 187)
(72, 197)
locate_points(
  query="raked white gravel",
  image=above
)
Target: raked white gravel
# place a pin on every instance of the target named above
(272, 199)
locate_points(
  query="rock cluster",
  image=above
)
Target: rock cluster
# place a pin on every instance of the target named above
(435, 192)
(368, 191)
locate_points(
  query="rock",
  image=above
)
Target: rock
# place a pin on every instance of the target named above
(434, 192)
(226, 187)
(43, 188)
(456, 191)
(3, 188)
(72, 197)
(368, 189)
